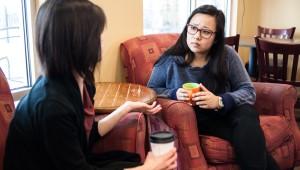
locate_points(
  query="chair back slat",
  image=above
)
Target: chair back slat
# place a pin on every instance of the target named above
(294, 67)
(274, 60)
(266, 61)
(233, 41)
(285, 66)
(275, 65)
(281, 33)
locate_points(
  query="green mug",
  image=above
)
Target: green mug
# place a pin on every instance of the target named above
(191, 88)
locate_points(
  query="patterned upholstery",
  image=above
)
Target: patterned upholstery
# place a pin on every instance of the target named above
(138, 69)
(6, 112)
(274, 128)
(275, 103)
(127, 135)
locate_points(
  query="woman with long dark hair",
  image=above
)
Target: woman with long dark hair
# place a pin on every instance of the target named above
(53, 126)
(224, 105)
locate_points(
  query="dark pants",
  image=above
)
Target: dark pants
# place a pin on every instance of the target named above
(242, 129)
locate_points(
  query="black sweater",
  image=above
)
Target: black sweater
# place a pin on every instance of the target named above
(47, 130)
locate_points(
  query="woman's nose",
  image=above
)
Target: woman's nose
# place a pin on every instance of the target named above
(197, 35)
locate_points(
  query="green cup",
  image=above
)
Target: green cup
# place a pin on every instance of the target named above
(191, 88)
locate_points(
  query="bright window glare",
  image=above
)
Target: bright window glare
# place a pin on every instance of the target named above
(168, 16)
(161, 16)
(13, 52)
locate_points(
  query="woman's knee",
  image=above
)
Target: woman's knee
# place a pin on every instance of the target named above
(245, 111)
(245, 115)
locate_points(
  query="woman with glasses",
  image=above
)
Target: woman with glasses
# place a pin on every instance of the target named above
(224, 105)
(54, 127)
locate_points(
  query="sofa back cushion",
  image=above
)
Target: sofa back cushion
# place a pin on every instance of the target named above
(140, 53)
(6, 112)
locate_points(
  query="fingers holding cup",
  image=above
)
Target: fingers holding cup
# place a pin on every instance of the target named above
(182, 94)
(191, 88)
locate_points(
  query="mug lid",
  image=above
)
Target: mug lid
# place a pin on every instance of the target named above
(161, 137)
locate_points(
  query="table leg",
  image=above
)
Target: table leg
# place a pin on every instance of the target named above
(252, 67)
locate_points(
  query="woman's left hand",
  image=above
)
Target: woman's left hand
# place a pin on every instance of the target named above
(205, 99)
(143, 107)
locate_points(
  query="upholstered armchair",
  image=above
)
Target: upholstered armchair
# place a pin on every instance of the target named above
(7, 108)
(128, 135)
(275, 103)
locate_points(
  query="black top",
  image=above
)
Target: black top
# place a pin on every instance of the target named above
(47, 131)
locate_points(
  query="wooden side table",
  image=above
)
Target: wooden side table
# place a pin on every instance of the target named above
(110, 95)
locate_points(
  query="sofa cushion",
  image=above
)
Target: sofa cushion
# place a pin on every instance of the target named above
(217, 150)
(128, 135)
(140, 53)
(6, 113)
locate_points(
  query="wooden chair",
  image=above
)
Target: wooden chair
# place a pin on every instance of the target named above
(269, 53)
(233, 41)
(281, 33)
(274, 58)
(277, 33)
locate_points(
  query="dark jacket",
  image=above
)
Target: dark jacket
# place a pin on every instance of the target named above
(47, 131)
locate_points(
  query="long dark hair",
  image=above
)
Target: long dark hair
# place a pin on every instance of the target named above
(68, 37)
(217, 66)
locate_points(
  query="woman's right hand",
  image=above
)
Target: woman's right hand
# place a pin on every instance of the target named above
(167, 161)
(182, 94)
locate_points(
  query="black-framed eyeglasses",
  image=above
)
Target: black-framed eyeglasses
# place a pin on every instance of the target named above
(204, 33)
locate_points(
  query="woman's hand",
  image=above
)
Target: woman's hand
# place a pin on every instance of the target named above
(143, 107)
(206, 99)
(107, 123)
(182, 94)
(167, 161)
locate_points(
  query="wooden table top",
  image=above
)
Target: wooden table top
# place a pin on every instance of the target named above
(283, 41)
(110, 96)
(247, 41)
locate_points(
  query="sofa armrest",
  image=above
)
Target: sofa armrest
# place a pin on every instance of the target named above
(181, 118)
(275, 99)
(127, 135)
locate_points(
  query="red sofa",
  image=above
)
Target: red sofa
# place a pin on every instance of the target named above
(128, 135)
(7, 108)
(275, 103)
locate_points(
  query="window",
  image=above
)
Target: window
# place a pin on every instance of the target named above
(170, 15)
(165, 15)
(15, 42)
